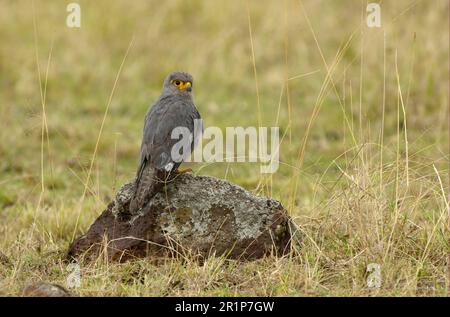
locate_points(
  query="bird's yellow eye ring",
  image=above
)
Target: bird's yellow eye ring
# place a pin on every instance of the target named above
(182, 85)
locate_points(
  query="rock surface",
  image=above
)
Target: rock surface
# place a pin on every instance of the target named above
(43, 289)
(195, 216)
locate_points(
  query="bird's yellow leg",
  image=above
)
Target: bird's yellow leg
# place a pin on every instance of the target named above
(182, 171)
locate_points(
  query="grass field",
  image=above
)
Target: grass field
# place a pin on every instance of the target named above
(363, 116)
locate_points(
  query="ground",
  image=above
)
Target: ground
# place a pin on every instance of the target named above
(362, 115)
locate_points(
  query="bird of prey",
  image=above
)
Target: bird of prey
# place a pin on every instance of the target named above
(173, 110)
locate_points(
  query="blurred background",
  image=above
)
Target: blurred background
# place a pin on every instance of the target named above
(357, 107)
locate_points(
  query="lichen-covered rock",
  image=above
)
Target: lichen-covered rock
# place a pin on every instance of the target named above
(192, 215)
(43, 289)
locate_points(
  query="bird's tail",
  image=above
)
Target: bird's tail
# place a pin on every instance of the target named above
(148, 183)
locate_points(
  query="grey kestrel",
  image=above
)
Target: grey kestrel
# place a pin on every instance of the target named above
(174, 111)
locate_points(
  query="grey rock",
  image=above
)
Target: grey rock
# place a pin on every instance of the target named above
(195, 216)
(42, 289)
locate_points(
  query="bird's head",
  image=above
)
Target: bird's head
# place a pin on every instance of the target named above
(178, 83)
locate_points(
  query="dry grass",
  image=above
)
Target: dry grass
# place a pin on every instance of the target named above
(363, 115)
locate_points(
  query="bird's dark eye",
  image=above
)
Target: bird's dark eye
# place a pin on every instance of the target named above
(177, 83)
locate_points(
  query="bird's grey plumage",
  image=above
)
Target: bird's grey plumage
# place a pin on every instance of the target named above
(173, 109)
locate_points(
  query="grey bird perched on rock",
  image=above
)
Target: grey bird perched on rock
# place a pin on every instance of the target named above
(164, 146)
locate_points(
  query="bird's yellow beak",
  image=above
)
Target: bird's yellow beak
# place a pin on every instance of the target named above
(182, 85)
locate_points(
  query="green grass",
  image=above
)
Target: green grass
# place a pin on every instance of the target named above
(365, 185)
